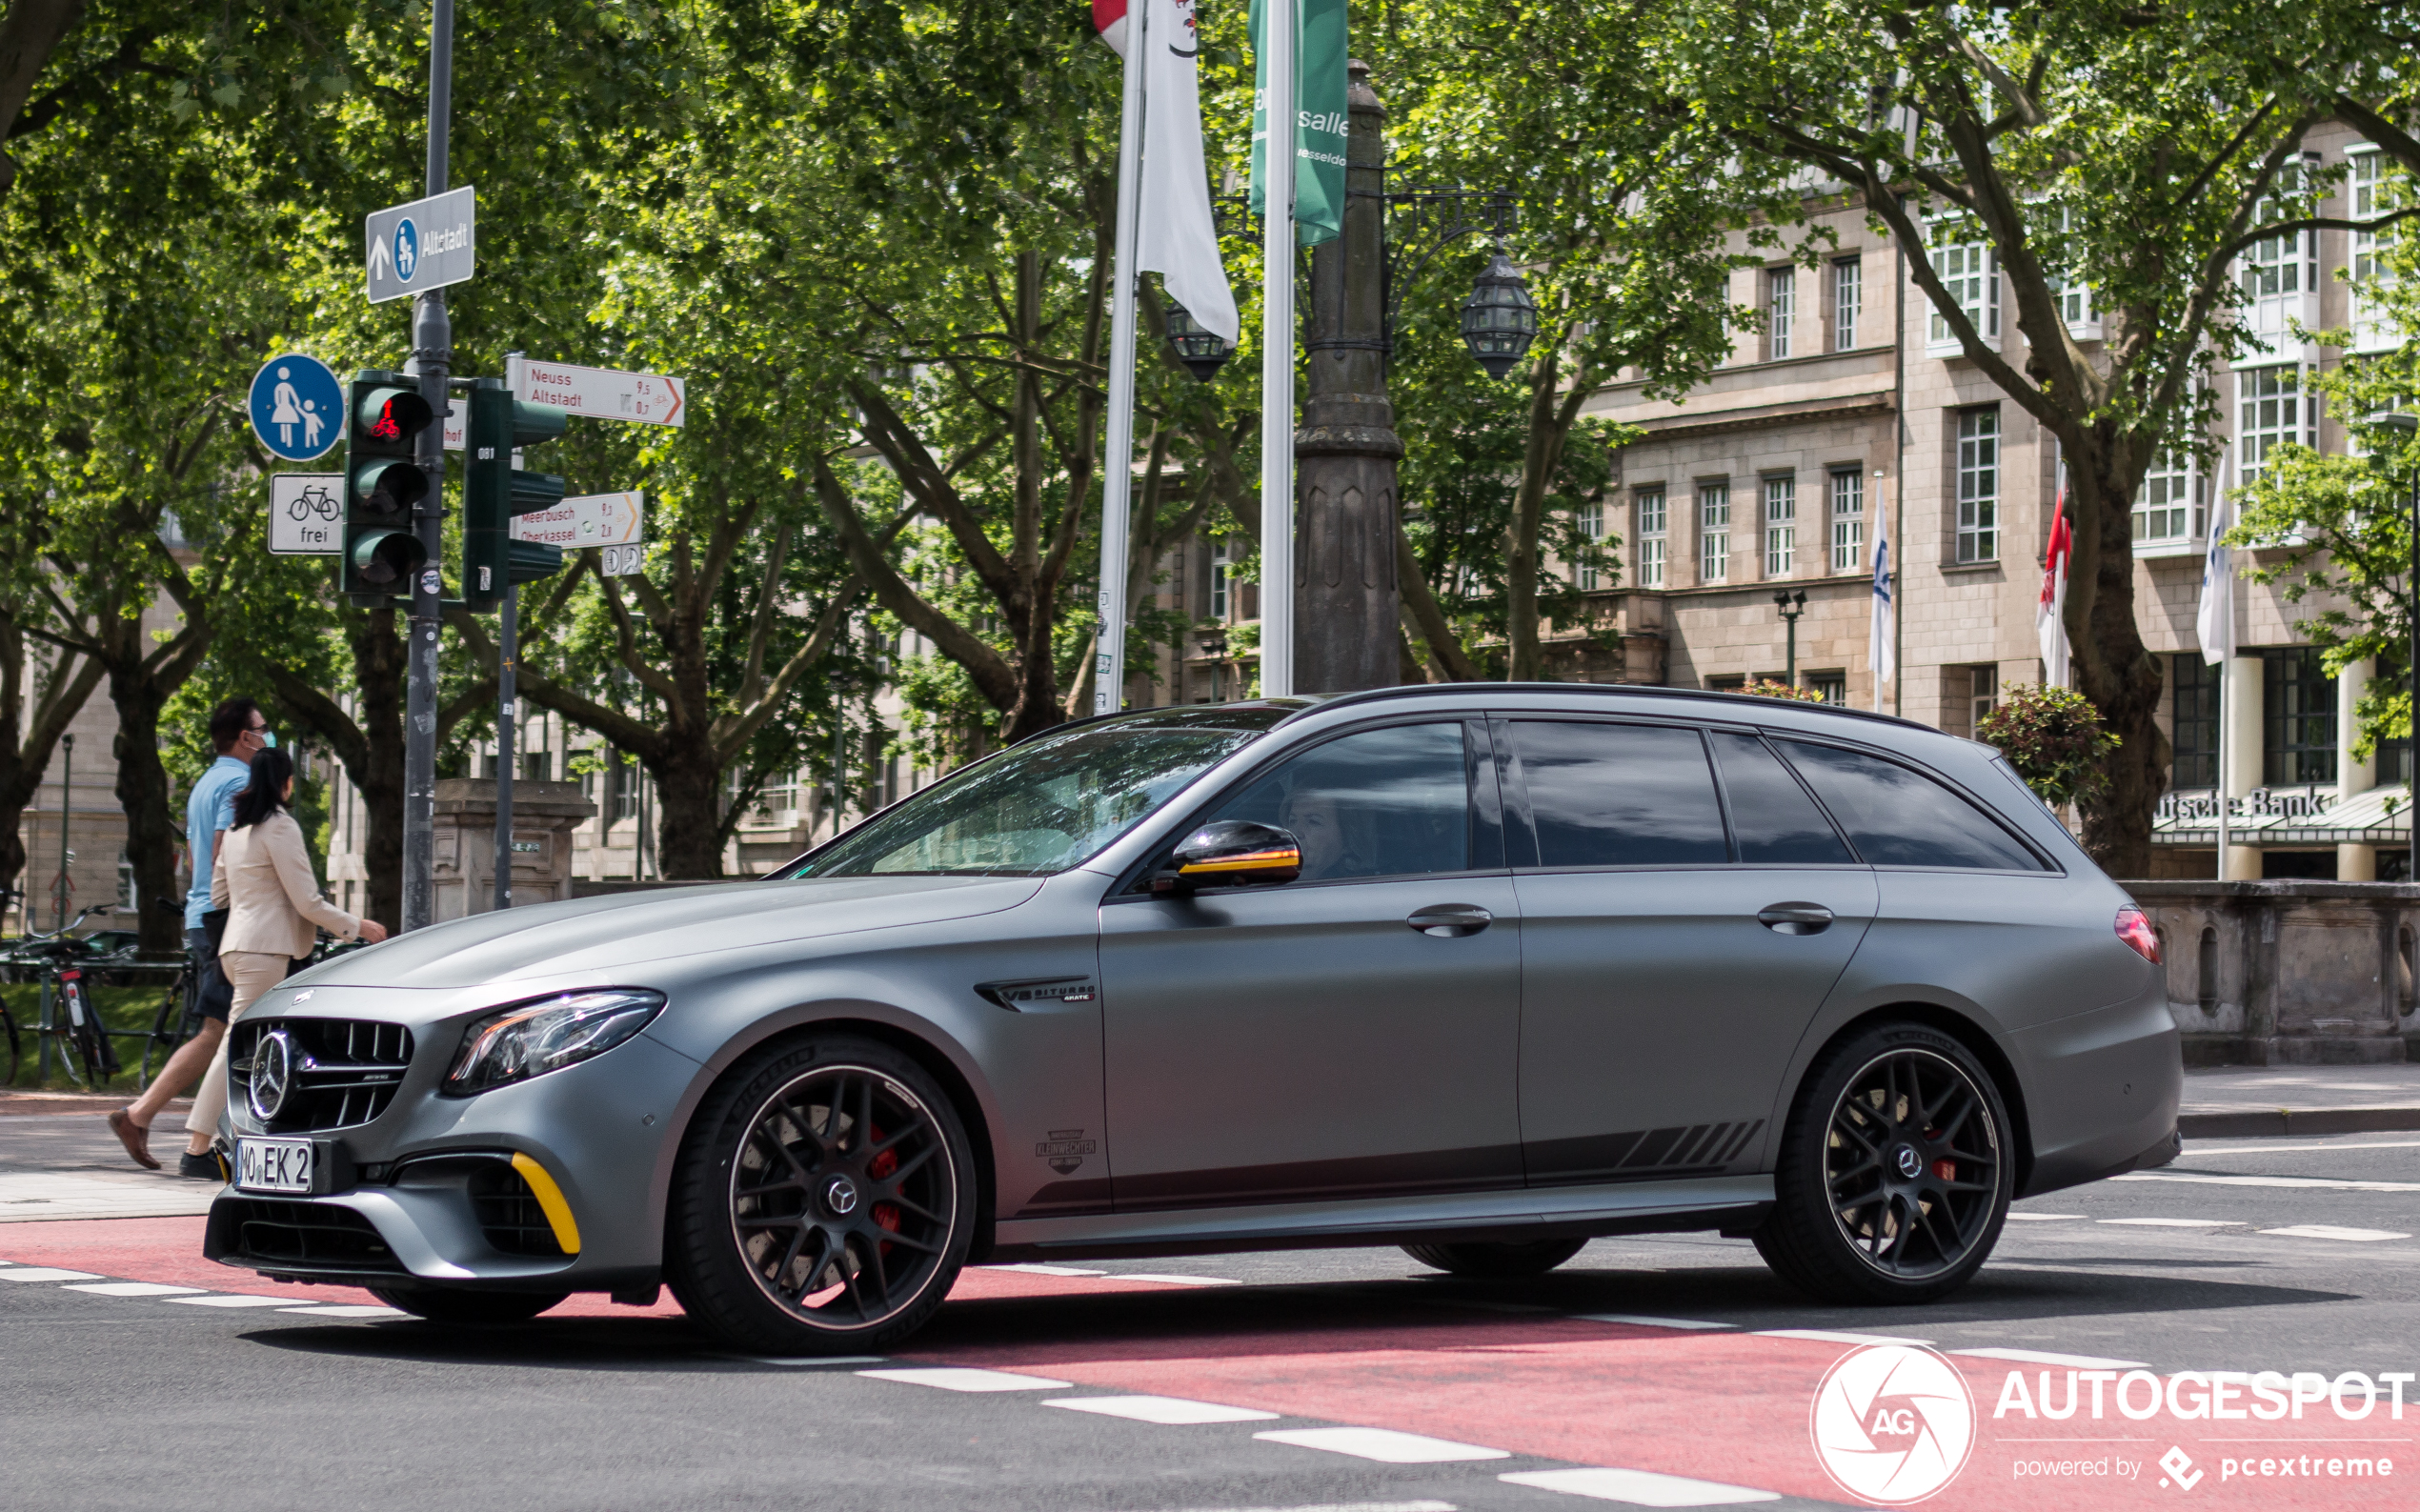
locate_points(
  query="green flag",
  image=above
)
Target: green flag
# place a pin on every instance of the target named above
(1318, 139)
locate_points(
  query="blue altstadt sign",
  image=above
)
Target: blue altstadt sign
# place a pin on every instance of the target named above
(297, 406)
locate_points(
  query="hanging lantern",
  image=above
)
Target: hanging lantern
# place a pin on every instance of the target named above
(1202, 352)
(1500, 319)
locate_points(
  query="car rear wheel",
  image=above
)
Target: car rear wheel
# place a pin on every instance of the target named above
(1895, 1171)
(824, 1201)
(1497, 1260)
(469, 1307)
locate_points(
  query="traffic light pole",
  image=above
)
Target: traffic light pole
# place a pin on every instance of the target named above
(432, 356)
(507, 651)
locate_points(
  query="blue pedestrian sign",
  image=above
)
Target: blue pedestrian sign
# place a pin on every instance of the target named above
(407, 250)
(297, 406)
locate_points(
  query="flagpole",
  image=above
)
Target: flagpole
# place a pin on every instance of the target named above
(1278, 27)
(1118, 469)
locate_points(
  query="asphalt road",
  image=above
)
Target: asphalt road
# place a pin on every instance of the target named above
(1679, 1357)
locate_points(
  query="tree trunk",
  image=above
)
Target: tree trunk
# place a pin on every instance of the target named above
(379, 673)
(689, 803)
(27, 746)
(152, 830)
(2112, 666)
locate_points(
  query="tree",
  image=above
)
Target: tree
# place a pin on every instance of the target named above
(2134, 153)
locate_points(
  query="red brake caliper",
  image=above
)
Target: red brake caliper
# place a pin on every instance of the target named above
(885, 1215)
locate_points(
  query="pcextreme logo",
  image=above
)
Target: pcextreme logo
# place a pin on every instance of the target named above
(1892, 1423)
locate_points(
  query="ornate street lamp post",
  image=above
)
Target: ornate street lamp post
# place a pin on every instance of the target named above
(1791, 605)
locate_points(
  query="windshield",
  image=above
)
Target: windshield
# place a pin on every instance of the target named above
(1047, 804)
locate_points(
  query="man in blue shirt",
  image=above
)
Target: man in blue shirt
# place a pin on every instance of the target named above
(240, 731)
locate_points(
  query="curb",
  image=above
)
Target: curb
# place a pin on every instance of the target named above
(2270, 1123)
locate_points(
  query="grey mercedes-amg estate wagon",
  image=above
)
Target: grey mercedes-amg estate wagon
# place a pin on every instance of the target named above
(1480, 970)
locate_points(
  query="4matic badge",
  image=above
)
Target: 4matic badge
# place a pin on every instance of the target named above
(1040, 992)
(1065, 1149)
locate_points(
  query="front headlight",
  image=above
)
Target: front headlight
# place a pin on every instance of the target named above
(532, 1038)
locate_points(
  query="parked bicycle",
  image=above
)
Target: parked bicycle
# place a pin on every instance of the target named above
(58, 961)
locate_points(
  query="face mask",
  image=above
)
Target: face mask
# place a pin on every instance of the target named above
(269, 739)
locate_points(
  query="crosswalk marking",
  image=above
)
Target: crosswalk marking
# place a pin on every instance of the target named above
(2039, 1356)
(1171, 1410)
(349, 1310)
(1177, 1280)
(1637, 1321)
(130, 1288)
(1640, 1487)
(233, 1300)
(1825, 1336)
(965, 1378)
(2366, 1236)
(1382, 1444)
(2170, 1222)
(44, 1273)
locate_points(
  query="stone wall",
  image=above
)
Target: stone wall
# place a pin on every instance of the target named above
(2288, 972)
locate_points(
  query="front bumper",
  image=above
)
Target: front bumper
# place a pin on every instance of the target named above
(434, 1198)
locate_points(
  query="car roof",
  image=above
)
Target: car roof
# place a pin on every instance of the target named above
(1609, 691)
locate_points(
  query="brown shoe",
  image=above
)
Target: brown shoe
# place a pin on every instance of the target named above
(136, 1138)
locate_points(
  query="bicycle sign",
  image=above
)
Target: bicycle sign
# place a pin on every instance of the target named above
(306, 513)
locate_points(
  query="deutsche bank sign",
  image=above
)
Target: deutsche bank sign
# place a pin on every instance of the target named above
(428, 244)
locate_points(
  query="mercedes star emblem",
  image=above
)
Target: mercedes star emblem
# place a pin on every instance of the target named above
(273, 1076)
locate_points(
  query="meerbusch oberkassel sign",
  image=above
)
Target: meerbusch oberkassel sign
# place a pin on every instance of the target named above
(428, 244)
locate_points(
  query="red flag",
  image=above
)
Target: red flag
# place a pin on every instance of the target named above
(1109, 19)
(2051, 616)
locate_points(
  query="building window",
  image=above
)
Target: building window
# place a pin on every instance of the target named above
(2365, 178)
(2277, 272)
(1592, 530)
(1218, 566)
(1849, 519)
(2298, 708)
(1651, 537)
(1781, 525)
(537, 766)
(1714, 532)
(621, 787)
(1730, 684)
(1780, 307)
(2270, 410)
(1831, 686)
(1848, 298)
(2073, 295)
(1984, 693)
(1971, 271)
(2169, 506)
(1979, 485)
(2194, 718)
(778, 798)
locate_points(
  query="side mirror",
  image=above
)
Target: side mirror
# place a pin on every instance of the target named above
(1231, 852)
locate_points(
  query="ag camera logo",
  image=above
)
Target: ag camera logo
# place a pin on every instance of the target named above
(1892, 1423)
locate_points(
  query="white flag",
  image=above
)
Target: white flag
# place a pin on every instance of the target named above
(1178, 239)
(1882, 649)
(2050, 613)
(2216, 625)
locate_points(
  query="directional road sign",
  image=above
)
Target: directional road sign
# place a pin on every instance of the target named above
(429, 243)
(306, 513)
(297, 406)
(622, 561)
(590, 519)
(603, 394)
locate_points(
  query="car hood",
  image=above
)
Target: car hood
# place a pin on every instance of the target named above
(607, 933)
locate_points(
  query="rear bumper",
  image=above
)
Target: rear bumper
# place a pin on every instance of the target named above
(2101, 1091)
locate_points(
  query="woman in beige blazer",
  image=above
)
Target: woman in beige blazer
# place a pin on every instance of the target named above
(263, 877)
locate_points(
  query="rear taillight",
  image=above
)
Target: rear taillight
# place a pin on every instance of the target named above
(2136, 931)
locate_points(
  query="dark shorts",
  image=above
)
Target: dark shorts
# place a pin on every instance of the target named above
(216, 995)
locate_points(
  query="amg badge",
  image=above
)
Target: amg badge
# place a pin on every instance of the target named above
(1065, 1149)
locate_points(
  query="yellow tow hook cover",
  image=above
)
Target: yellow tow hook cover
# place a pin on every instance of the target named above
(550, 1201)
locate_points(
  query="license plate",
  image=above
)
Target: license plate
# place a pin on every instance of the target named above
(273, 1166)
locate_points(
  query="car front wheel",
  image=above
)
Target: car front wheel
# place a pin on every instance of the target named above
(1895, 1172)
(824, 1201)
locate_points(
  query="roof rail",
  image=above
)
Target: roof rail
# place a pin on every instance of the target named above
(1627, 690)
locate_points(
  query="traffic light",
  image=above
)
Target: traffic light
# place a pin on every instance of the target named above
(494, 493)
(383, 414)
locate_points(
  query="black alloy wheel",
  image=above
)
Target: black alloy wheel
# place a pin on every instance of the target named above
(841, 1186)
(1895, 1171)
(1497, 1261)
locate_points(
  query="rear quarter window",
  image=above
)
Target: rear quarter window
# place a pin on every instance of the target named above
(1898, 816)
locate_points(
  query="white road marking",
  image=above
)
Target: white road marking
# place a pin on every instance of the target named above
(349, 1310)
(962, 1377)
(807, 1360)
(1646, 1323)
(130, 1289)
(2282, 1148)
(1640, 1487)
(1176, 1280)
(2038, 1357)
(1041, 1270)
(2307, 1182)
(2041, 1218)
(233, 1300)
(2172, 1223)
(2330, 1231)
(1825, 1336)
(1338, 1506)
(1382, 1444)
(44, 1273)
(1171, 1410)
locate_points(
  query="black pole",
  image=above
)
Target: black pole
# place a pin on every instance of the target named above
(507, 691)
(2411, 673)
(432, 356)
(66, 807)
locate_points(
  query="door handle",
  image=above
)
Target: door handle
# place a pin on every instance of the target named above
(1796, 918)
(1450, 921)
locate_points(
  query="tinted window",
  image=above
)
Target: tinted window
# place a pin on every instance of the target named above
(1898, 818)
(1619, 795)
(1772, 817)
(1392, 802)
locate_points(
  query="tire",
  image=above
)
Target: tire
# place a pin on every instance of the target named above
(1850, 1223)
(469, 1307)
(1498, 1261)
(823, 1202)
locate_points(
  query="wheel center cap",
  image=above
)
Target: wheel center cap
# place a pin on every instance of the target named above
(840, 1196)
(1910, 1164)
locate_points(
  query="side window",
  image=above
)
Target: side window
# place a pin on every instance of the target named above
(1776, 823)
(1619, 795)
(1391, 803)
(1898, 818)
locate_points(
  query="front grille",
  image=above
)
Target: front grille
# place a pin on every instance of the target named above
(346, 1070)
(509, 1212)
(309, 1234)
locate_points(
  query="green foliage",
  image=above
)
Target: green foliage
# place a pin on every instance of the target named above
(2052, 736)
(1771, 688)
